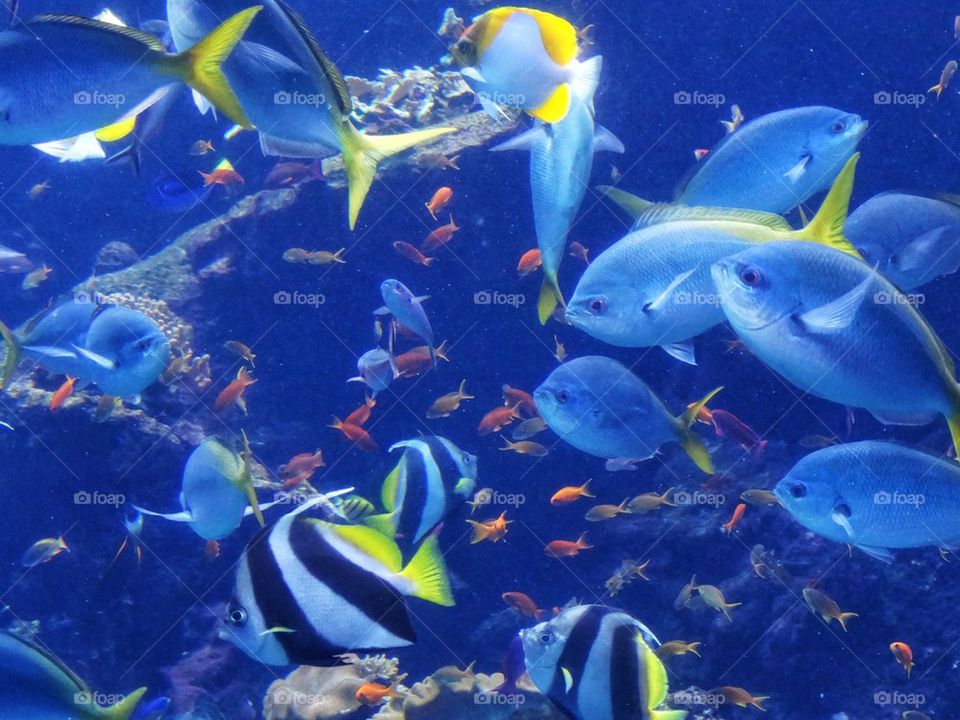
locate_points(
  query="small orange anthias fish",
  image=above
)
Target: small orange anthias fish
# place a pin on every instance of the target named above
(408, 251)
(739, 697)
(439, 237)
(355, 434)
(530, 261)
(360, 416)
(904, 655)
(233, 393)
(700, 153)
(441, 198)
(571, 493)
(374, 693)
(497, 418)
(732, 522)
(211, 551)
(33, 278)
(62, 393)
(523, 604)
(417, 361)
(300, 468)
(38, 189)
(492, 530)
(223, 174)
(580, 252)
(522, 399)
(567, 548)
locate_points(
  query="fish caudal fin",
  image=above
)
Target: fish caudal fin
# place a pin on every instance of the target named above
(691, 444)
(13, 355)
(427, 574)
(826, 227)
(550, 297)
(200, 67)
(953, 421)
(843, 617)
(362, 153)
(631, 204)
(384, 523)
(246, 479)
(125, 708)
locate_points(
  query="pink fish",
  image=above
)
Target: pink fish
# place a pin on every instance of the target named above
(730, 427)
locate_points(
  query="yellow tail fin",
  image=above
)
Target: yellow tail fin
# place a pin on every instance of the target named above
(125, 708)
(246, 479)
(550, 297)
(953, 421)
(13, 355)
(200, 66)
(826, 227)
(428, 575)
(691, 444)
(362, 153)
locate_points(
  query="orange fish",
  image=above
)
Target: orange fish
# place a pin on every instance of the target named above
(417, 361)
(223, 174)
(300, 468)
(523, 604)
(904, 655)
(732, 522)
(580, 252)
(372, 693)
(439, 237)
(492, 530)
(529, 262)
(496, 419)
(516, 396)
(571, 493)
(405, 249)
(62, 393)
(700, 153)
(233, 393)
(567, 548)
(211, 551)
(704, 415)
(355, 434)
(360, 416)
(38, 189)
(739, 697)
(441, 198)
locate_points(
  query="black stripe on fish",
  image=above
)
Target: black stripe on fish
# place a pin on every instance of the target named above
(576, 652)
(413, 479)
(627, 696)
(443, 456)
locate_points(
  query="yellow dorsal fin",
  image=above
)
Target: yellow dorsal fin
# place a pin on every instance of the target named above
(826, 227)
(368, 541)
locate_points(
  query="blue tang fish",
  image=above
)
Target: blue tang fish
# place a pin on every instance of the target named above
(172, 194)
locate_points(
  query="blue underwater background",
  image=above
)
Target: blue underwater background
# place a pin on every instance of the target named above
(121, 631)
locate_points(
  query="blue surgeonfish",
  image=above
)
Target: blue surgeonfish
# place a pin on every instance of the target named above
(598, 406)
(561, 158)
(875, 496)
(36, 685)
(120, 350)
(293, 92)
(217, 491)
(597, 663)
(432, 480)
(308, 590)
(62, 75)
(775, 162)
(837, 329)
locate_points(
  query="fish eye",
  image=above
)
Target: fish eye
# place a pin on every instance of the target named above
(597, 305)
(546, 638)
(142, 345)
(562, 396)
(237, 616)
(798, 490)
(751, 277)
(838, 127)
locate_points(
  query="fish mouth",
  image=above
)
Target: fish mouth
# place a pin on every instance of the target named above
(860, 128)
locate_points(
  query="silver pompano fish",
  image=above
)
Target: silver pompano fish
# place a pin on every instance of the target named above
(777, 161)
(561, 158)
(911, 239)
(62, 76)
(598, 406)
(407, 309)
(13, 261)
(835, 328)
(876, 496)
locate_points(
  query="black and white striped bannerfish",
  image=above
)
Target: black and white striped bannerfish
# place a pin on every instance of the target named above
(308, 590)
(597, 663)
(431, 481)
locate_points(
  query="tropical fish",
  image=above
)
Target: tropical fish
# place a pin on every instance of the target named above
(685, 595)
(133, 523)
(523, 605)
(529, 262)
(561, 158)
(735, 121)
(327, 257)
(300, 468)
(36, 685)
(910, 239)
(410, 252)
(775, 162)
(377, 369)
(285, 174)
(713, 597)
(826, 607)
(496, 419)
(13, 261)
(729, 427)
(241, 351)
(571, 493)
(420, 359)
(567, 548)
(292, 91)
(628, 571)
(441, 198)
(120, 350)
(835, 328)
(223, 174)
(201, 147)
(607, 511)
(493, 530)
(529, 428)
(759, 496)
(735, 518)
(521, 398)
(216, 491)
(406, 309)
(374, 693)
(449, 403)
(524, 447)
(36, 276)
(307, 590)
(739, 697)
(875, 496)
(232, 394)
(946, 75)
(677, 647)
(355, 434)
(570, 658)
(653, 287)
(63, 392)
(522, 58)
(580, 252)
(904, 655)
(439, 237)
(361, 414)
(650, 501)
(432, 480)
(598, 406)
(38, 189)
(43, 551)
(67, 75)
(173, 194)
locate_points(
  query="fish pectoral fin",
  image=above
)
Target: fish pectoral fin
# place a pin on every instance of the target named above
(382, 310)
(664, 297)
(523, 141)
(877, 553)
(183, 516)
(96, 358)
(555, 107)
(275, 61)
(49, 351)
(838, 314)
(492, 109)
(618, 464)
(606, 141)
(797, 171)
(933, 247)
(472, 73)
(841, 516)
(682, 351)
(567, 679)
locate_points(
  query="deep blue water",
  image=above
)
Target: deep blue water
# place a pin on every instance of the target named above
(764, 56)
